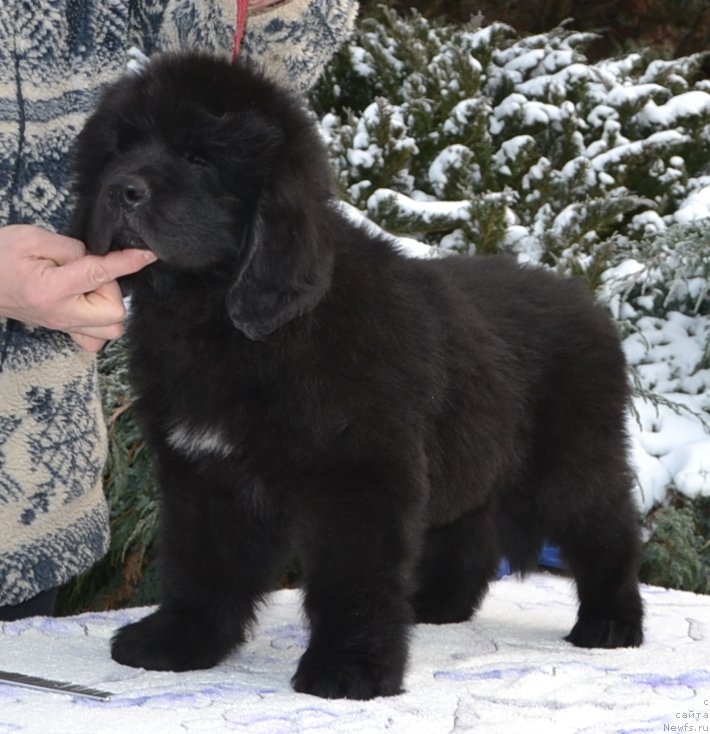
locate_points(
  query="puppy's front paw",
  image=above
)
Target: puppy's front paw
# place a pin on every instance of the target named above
(168, 641)
(338, 675)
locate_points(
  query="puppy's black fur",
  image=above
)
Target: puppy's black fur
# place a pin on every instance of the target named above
(399, 423)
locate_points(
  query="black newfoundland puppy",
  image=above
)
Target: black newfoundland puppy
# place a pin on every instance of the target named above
(400, 424)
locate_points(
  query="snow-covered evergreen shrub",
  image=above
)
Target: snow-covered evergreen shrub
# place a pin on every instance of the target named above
(478, 140)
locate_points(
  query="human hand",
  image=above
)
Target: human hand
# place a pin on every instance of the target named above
(48, 280)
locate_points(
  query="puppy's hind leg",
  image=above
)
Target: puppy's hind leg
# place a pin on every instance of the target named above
(601, 544)
(217, 561)
(604, 558)
(457, 563)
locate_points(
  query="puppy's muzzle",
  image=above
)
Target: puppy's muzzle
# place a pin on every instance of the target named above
(118, 222)
(127, 192)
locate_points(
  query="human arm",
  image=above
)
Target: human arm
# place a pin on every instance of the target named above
(48, 280)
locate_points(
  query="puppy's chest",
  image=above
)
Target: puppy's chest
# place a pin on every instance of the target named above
(211, 416)
(195, 440)
(218, 396)
(214, 409)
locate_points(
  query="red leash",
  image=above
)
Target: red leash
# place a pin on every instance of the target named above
(242, 12)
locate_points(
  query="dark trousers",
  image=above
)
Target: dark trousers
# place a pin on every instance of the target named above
(41, 605)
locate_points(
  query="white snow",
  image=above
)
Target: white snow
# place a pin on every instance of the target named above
(530, 112)
(675, 110)
(695, 206)
(512, 148)
(360, 61)
(664, 138)
(408, 206)
(650, 222)
(453, 157)
(676, 432)
(629, 94)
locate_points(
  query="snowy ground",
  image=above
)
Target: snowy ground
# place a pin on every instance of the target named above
(507, 670)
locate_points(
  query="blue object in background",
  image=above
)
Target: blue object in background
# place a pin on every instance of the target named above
(550, 557)
(504, 569)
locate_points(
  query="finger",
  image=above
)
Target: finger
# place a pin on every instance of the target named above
(104, 305)
(125, 262)
(95, 314)
(102, 308)
(89, 343)
(88, 273)
(105, 332)
(55, 248)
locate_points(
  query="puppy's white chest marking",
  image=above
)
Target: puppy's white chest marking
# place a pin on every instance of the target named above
(195, 441)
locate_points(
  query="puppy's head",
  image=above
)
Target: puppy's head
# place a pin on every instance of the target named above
(221, 174)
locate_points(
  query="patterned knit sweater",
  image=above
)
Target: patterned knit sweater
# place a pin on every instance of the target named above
(55, 55)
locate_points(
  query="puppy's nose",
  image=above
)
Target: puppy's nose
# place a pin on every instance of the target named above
(127, 191)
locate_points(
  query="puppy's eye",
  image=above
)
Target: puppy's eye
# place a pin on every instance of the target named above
(195, 159)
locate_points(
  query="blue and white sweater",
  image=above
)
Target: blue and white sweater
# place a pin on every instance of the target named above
(55, 56)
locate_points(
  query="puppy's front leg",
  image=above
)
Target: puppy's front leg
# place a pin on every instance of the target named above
(218, 557)
(357, 556)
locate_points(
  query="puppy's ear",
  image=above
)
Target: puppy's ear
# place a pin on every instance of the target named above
(288, 261)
